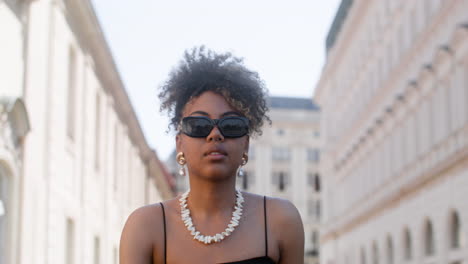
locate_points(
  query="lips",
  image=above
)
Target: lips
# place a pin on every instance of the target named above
(215, 152)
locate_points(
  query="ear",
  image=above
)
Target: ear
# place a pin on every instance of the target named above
(178, 143)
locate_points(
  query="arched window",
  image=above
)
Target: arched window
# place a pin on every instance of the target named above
(390, 257)
(407, 245)
(4, 195)
(375, 253)
(429, 246)
(363, 256)
(455, 232)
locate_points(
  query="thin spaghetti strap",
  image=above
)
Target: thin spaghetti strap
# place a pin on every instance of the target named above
(266, 228)
(164, 225)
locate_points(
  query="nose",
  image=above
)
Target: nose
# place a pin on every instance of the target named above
(215, 135)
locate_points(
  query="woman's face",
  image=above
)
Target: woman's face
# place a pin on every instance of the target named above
(213, 157)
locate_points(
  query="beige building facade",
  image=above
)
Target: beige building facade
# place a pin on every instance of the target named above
(73, 159)
(394, 100)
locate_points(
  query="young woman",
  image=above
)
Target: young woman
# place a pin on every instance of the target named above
(216, 105)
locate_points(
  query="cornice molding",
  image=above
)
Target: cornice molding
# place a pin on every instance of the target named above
(337, 227)
(17, 116)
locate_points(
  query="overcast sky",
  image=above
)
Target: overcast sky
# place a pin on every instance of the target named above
(283, 40)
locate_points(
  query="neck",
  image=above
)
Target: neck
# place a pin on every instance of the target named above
(211, 198)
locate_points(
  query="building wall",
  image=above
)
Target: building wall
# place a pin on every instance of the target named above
(282, 151)
(12, 117)
(394, 104)
(14, 125)
(11, 65)
(84, 166)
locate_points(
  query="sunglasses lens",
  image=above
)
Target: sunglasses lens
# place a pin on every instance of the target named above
(196, 127)
(230, 127)
(233, 126)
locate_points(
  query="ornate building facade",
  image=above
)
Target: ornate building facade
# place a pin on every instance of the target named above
(394, 102)
(73, 160)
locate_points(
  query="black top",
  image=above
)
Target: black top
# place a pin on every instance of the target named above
(259, 260)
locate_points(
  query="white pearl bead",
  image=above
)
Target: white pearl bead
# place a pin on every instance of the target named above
(187, 220)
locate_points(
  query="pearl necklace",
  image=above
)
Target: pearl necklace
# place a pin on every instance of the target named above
(236, 215)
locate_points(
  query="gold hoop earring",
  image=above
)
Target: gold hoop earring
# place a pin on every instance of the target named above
(181, 158)
(245, 159)
(181, 161)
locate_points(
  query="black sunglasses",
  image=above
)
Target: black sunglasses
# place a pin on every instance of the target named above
(201, 126)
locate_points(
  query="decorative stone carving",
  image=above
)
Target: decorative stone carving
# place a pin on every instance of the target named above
(14, 124)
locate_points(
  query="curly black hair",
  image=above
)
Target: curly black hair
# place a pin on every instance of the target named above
(203, 70)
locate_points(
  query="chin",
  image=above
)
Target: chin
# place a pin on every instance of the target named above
(217, 174)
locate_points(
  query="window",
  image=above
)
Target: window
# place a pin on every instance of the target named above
(282, 182)
(313, 179)
(390, 257)
(281, 154)
(245, 180)
(363, 256)
(97, 132)
(401, 43)
(427, 11)
(459, 105)
(280, 179)
(130, 183)
(315, 240)
(3, 213)
(71, 94)
(455, 231)
(317, 182)
(413, 27)
(116, 255)
(316, 133)
(407, 245)
(116, 156)
(313, 155)
(318, 209)
(429, 247)
(69, 242)
(310, 207)
(375, 254)
(97, 249)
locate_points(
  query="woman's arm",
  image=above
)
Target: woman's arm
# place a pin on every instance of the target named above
(288, 224)
(136, 242)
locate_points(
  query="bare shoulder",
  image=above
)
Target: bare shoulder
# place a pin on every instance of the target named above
(279, 210)
(144, 217)
(286, 223)
(146, 211)
(283, 211)
(142, 232)
(139, 221)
